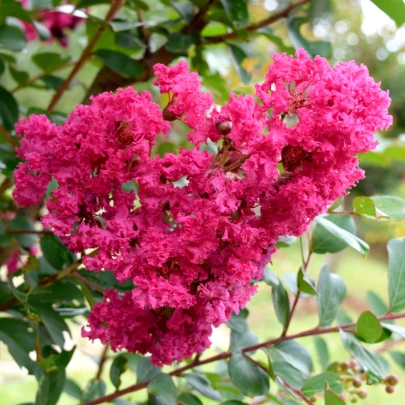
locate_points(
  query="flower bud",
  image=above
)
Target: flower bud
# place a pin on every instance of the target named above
(223, 126)
(362, 394)
(342, 397)
(353, 363)
(357, 382)
(389, 389)
(353, 400)
(392, 379)
(313, 399)
(168, 115)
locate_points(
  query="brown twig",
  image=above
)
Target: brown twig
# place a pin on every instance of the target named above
(103, 359)
(8, 137)
(342, 212)
(226, 355)
(115, 7)
(89, 283)
(254, 27)
(27, 231)
(298, 392)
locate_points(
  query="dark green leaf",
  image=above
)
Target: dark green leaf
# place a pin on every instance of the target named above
(285, 241)
(323, 241)
(321, 48)
(269, 363)
(145, 370)
(2, 67)
(288, 373)
(396, 274)
(140, 4)
(19, 340)
(368, 327)
(52, 82)
(269, 277)
(189, 399)
(163, 388)
(281, 303)
(268, 33)
(237, 12)
(343, 235)
(8, 109)
(178, 43)
(53, 322)
(18, 76)
(305, 284)
(322, 351)
(57, 362)
(295, 354)
(93, 390)
(50, 388)
(120, 63)
(202, 384)
(331, 293)
(118, 367)
(393, 8)
(49, 61)
(238, 56)
(376, 304)
(72, 388)
(56, 254)
(331, 398)
(372, 364)
(9, 159)
(316, 384)
(88, 3)
(241, 340)
(247, 376)
(12, 37)
(14, 9)
(233, 402)
(399, 330)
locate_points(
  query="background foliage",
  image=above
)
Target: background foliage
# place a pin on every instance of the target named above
(345, 330)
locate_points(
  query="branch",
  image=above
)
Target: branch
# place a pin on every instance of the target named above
(103, 359)
(47, 281)
(226, 355)
(89, 283)
(254, 27)
(115, 7)
(9, 139)
(298, 392)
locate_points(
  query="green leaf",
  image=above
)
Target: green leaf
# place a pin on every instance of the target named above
(120, 63)
(305, 284)
(270, 278)
(321, 48)
(14, 9)
(295, 354)
(368, 327)
(316, 384)
(372, 364)
(331, 398)
(374, 158)
(269, 363)
(57, 362)
(49, 61)
(393, 8)
(241, 340)
(203, 385)
(163, 388)
(178, 43)
(93, 390)
(118, 367)
(8, 109)
(54, 323)
(189, 399)
(399, 330)
(323, 241)
(343, 235)
(233, 402)
(50, 388)
(238, 56)
(2, 67)
(331, 293)
(237, 12)
(279, 42)
(380, 208)
(288, 373)
(72, 388)
(19, 76)
(396, 274)
(281, 303)
(399, 358)
(12, 37)
(55, 253)
(376, 304)
(145, 370)
(247, 376)
(19, 340)
(322, 351)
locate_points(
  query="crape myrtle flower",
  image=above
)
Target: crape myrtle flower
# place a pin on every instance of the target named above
(194, 252)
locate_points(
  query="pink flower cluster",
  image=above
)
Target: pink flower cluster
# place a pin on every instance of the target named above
(56, 21)
(196, 229)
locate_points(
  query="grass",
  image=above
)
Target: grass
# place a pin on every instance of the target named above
(361, 275)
